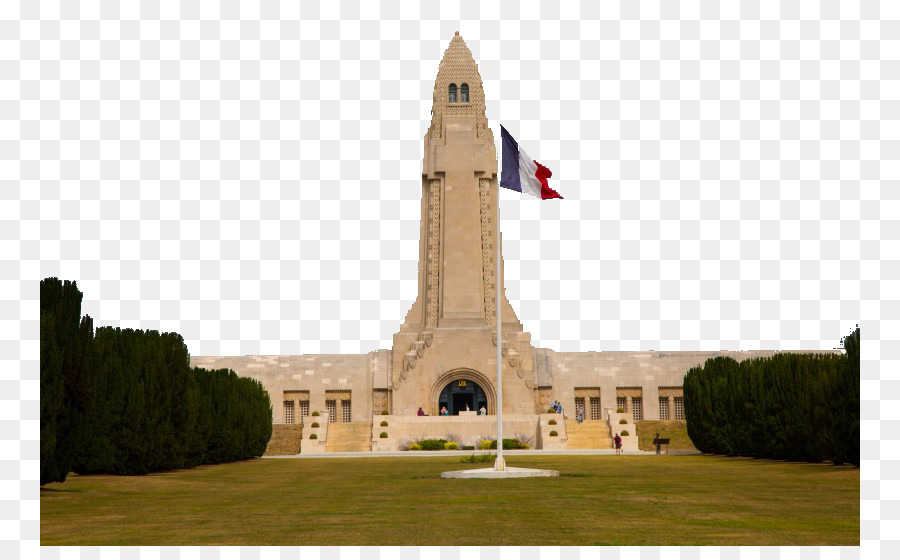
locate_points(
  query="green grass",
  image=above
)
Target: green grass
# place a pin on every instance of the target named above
(675, 430)
(598, 500)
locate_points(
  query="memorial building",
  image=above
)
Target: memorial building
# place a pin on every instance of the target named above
(444, 355)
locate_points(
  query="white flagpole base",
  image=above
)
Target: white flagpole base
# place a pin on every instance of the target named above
(500, 464)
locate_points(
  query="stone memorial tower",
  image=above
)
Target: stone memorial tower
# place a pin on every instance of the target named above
(449, 335)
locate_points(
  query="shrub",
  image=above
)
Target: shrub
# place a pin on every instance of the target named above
(507, 444)
(624, 433)
(383, 435)
(315, 413)
(620, 410)
(314, 425)
(551, 410)
(552, 422)
(623, 421)
(432, 444)
(480, 458)
(451, 445)
(385, 413)
(553, 433)
(414, 447)
(468, 447)
(384, 423)
(314, 436)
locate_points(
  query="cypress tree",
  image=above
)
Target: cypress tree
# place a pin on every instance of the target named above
(67, 389)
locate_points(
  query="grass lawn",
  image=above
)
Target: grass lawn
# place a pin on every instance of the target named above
(598, 500)
(675, 430)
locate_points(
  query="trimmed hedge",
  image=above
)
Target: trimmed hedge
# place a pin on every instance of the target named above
(124, 401)
(797, 407)
(552, 433)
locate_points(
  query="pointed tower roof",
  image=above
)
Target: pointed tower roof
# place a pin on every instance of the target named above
(457, 68)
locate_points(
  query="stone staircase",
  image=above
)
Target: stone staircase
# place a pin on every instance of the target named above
(590, 434)
(349, 436)
(285, 440)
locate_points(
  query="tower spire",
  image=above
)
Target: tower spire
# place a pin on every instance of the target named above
(459, 235)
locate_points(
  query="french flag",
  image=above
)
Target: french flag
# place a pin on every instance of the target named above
(522, 174)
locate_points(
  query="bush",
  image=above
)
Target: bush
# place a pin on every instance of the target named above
(384, 423)
(552, 422)
(313, 436)
(315, 413)
(480, 458)
(620, 410)
(414, 447)
(385, 413)
(794, 407)
(623, 421)
(383, 435)
(507, 444)
(468, 447)
(553, 433)
(314, 425)
(624, 433)
(432, 444)
(451, 445)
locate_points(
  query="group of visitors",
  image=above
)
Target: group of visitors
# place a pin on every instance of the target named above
(444, 412)
(557, 406)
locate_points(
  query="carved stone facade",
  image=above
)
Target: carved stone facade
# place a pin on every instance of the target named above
(449, 334)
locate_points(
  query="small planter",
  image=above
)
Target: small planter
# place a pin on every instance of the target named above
(623, 421)
(315, 413)
(383, 435)
(314, 436)
(314, 425)
(624, 433)
(552, 422)
(553, 433)
(384, 423)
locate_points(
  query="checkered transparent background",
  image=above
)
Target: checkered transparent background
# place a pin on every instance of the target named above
(249, 177)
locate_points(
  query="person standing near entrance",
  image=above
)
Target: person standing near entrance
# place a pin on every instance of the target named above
(618, 441)
(482, 411)
(444, 411)
(657, 443)
(421, 412)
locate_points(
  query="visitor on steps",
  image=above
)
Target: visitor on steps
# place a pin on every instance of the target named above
(482, 411)
(618, 441)
(657, 443)
(444, 411)
(421, 412)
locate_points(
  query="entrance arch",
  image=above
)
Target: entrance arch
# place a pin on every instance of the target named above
(472, 377)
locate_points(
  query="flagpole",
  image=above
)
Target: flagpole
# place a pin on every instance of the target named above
(500, 464)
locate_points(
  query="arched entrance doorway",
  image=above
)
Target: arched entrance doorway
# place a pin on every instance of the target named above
(475, 389)
(460, 395)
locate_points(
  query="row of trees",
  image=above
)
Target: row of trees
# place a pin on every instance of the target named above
(124, 401)
(799, 407)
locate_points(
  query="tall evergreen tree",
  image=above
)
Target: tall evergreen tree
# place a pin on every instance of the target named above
(66, 384)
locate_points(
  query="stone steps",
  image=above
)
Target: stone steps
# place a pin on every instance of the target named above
(285, 440)
(349, 436)
(588, 435)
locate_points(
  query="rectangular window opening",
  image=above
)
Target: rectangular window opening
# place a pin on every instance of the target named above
(288, 412)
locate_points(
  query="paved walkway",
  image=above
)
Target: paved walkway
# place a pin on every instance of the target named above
(506, 453)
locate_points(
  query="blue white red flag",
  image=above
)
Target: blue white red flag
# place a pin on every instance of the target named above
(522, 174)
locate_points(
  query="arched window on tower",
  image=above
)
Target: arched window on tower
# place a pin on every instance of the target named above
(464, 93)
(451, 93)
